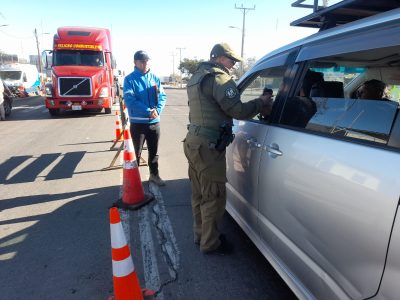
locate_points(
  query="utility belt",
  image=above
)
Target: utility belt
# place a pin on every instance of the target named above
(217, 139)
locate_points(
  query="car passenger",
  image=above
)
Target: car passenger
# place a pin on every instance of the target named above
(310, 79)
(301, 109)
(268, 92)
(372, 89)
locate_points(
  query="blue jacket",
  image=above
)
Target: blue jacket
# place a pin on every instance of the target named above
(143, 92)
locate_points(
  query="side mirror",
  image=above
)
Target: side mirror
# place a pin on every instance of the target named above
(46, 59)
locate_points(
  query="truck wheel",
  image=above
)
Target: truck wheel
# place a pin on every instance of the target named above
(54, 111)
(107, 110)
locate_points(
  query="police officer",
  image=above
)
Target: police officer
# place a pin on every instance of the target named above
(213, 101)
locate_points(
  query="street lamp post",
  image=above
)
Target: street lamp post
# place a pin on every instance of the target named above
(1, 54)
(180, 62)
(173, 67)
(241, 50)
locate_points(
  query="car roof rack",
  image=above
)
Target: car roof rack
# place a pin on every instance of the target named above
(346, 11)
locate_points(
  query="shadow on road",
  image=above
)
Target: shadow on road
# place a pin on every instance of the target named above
(65, 168)
(61, 251)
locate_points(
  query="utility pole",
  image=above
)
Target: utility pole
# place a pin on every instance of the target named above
(180, 61)
(38, 51)
(244, 11)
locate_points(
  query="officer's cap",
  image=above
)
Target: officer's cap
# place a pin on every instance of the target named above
(223, 49)
(141, 55)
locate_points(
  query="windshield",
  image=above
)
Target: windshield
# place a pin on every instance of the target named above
(78, 58)
(10, 75)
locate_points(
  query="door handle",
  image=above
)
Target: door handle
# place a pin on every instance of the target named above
(252, 142)
(273, 149)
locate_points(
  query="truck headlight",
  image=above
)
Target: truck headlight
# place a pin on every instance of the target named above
(49, 90)
(104, 92)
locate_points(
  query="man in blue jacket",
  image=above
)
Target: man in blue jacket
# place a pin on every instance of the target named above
(145, 99)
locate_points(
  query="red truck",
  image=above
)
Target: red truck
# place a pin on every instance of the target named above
(81, 70)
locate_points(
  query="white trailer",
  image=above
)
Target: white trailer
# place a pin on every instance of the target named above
(22, 79)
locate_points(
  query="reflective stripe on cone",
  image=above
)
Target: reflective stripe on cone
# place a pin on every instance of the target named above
(133, 195)
(126, 283)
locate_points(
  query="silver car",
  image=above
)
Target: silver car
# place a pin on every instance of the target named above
(316, 184)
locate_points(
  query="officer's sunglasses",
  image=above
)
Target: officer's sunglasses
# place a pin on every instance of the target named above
(233, 62)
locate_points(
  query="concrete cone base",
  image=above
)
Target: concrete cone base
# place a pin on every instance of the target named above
(146, 200)
(148, 294)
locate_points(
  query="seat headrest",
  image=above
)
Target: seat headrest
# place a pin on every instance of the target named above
(328, 89)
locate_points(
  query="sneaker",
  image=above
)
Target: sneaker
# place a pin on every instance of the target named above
(156, 179)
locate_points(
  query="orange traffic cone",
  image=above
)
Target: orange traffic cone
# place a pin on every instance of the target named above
(133, 195)
(126, 282)
(118, 127)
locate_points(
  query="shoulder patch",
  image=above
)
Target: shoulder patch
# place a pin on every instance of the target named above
(230, 92)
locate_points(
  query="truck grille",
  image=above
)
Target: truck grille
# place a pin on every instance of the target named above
(74, 86)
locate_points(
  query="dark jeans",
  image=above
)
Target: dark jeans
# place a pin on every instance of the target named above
(151, 134)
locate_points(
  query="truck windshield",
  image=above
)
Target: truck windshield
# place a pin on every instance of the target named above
(10, 75)
(78, 58)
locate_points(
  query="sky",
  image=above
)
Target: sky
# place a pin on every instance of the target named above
(158, 27)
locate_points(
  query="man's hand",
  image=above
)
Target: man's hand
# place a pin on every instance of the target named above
(267, 105)
(153, 114)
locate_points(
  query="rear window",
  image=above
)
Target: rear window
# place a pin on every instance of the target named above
(10, 75)
(79, 33)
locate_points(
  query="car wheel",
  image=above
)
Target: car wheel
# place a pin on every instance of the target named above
(7, 108)
(54, 111)
(107, 110)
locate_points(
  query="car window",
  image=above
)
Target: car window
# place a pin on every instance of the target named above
(268, 80)
(345, 96)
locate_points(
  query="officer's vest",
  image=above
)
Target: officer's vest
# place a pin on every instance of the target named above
(204, 109)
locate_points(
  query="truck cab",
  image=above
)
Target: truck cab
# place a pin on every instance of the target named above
(81, 70)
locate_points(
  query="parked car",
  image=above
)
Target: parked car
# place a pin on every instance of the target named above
(316, 185)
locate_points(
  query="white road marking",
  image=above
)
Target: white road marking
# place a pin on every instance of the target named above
(151, 275)
(28, 108)
(170, 246)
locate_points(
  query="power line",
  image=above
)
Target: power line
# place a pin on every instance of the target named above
(16, 37)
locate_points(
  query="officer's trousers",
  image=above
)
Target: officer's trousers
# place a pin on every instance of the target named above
(207, 173)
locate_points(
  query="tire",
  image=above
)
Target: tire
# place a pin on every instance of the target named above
(7, 108)
(54, 111)
(107, 110)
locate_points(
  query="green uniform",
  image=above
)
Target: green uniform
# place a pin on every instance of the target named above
(213, 101)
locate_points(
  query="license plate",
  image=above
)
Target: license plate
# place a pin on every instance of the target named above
(76, 107)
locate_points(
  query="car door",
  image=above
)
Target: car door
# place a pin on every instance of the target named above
(329, 186)
(244, 153)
